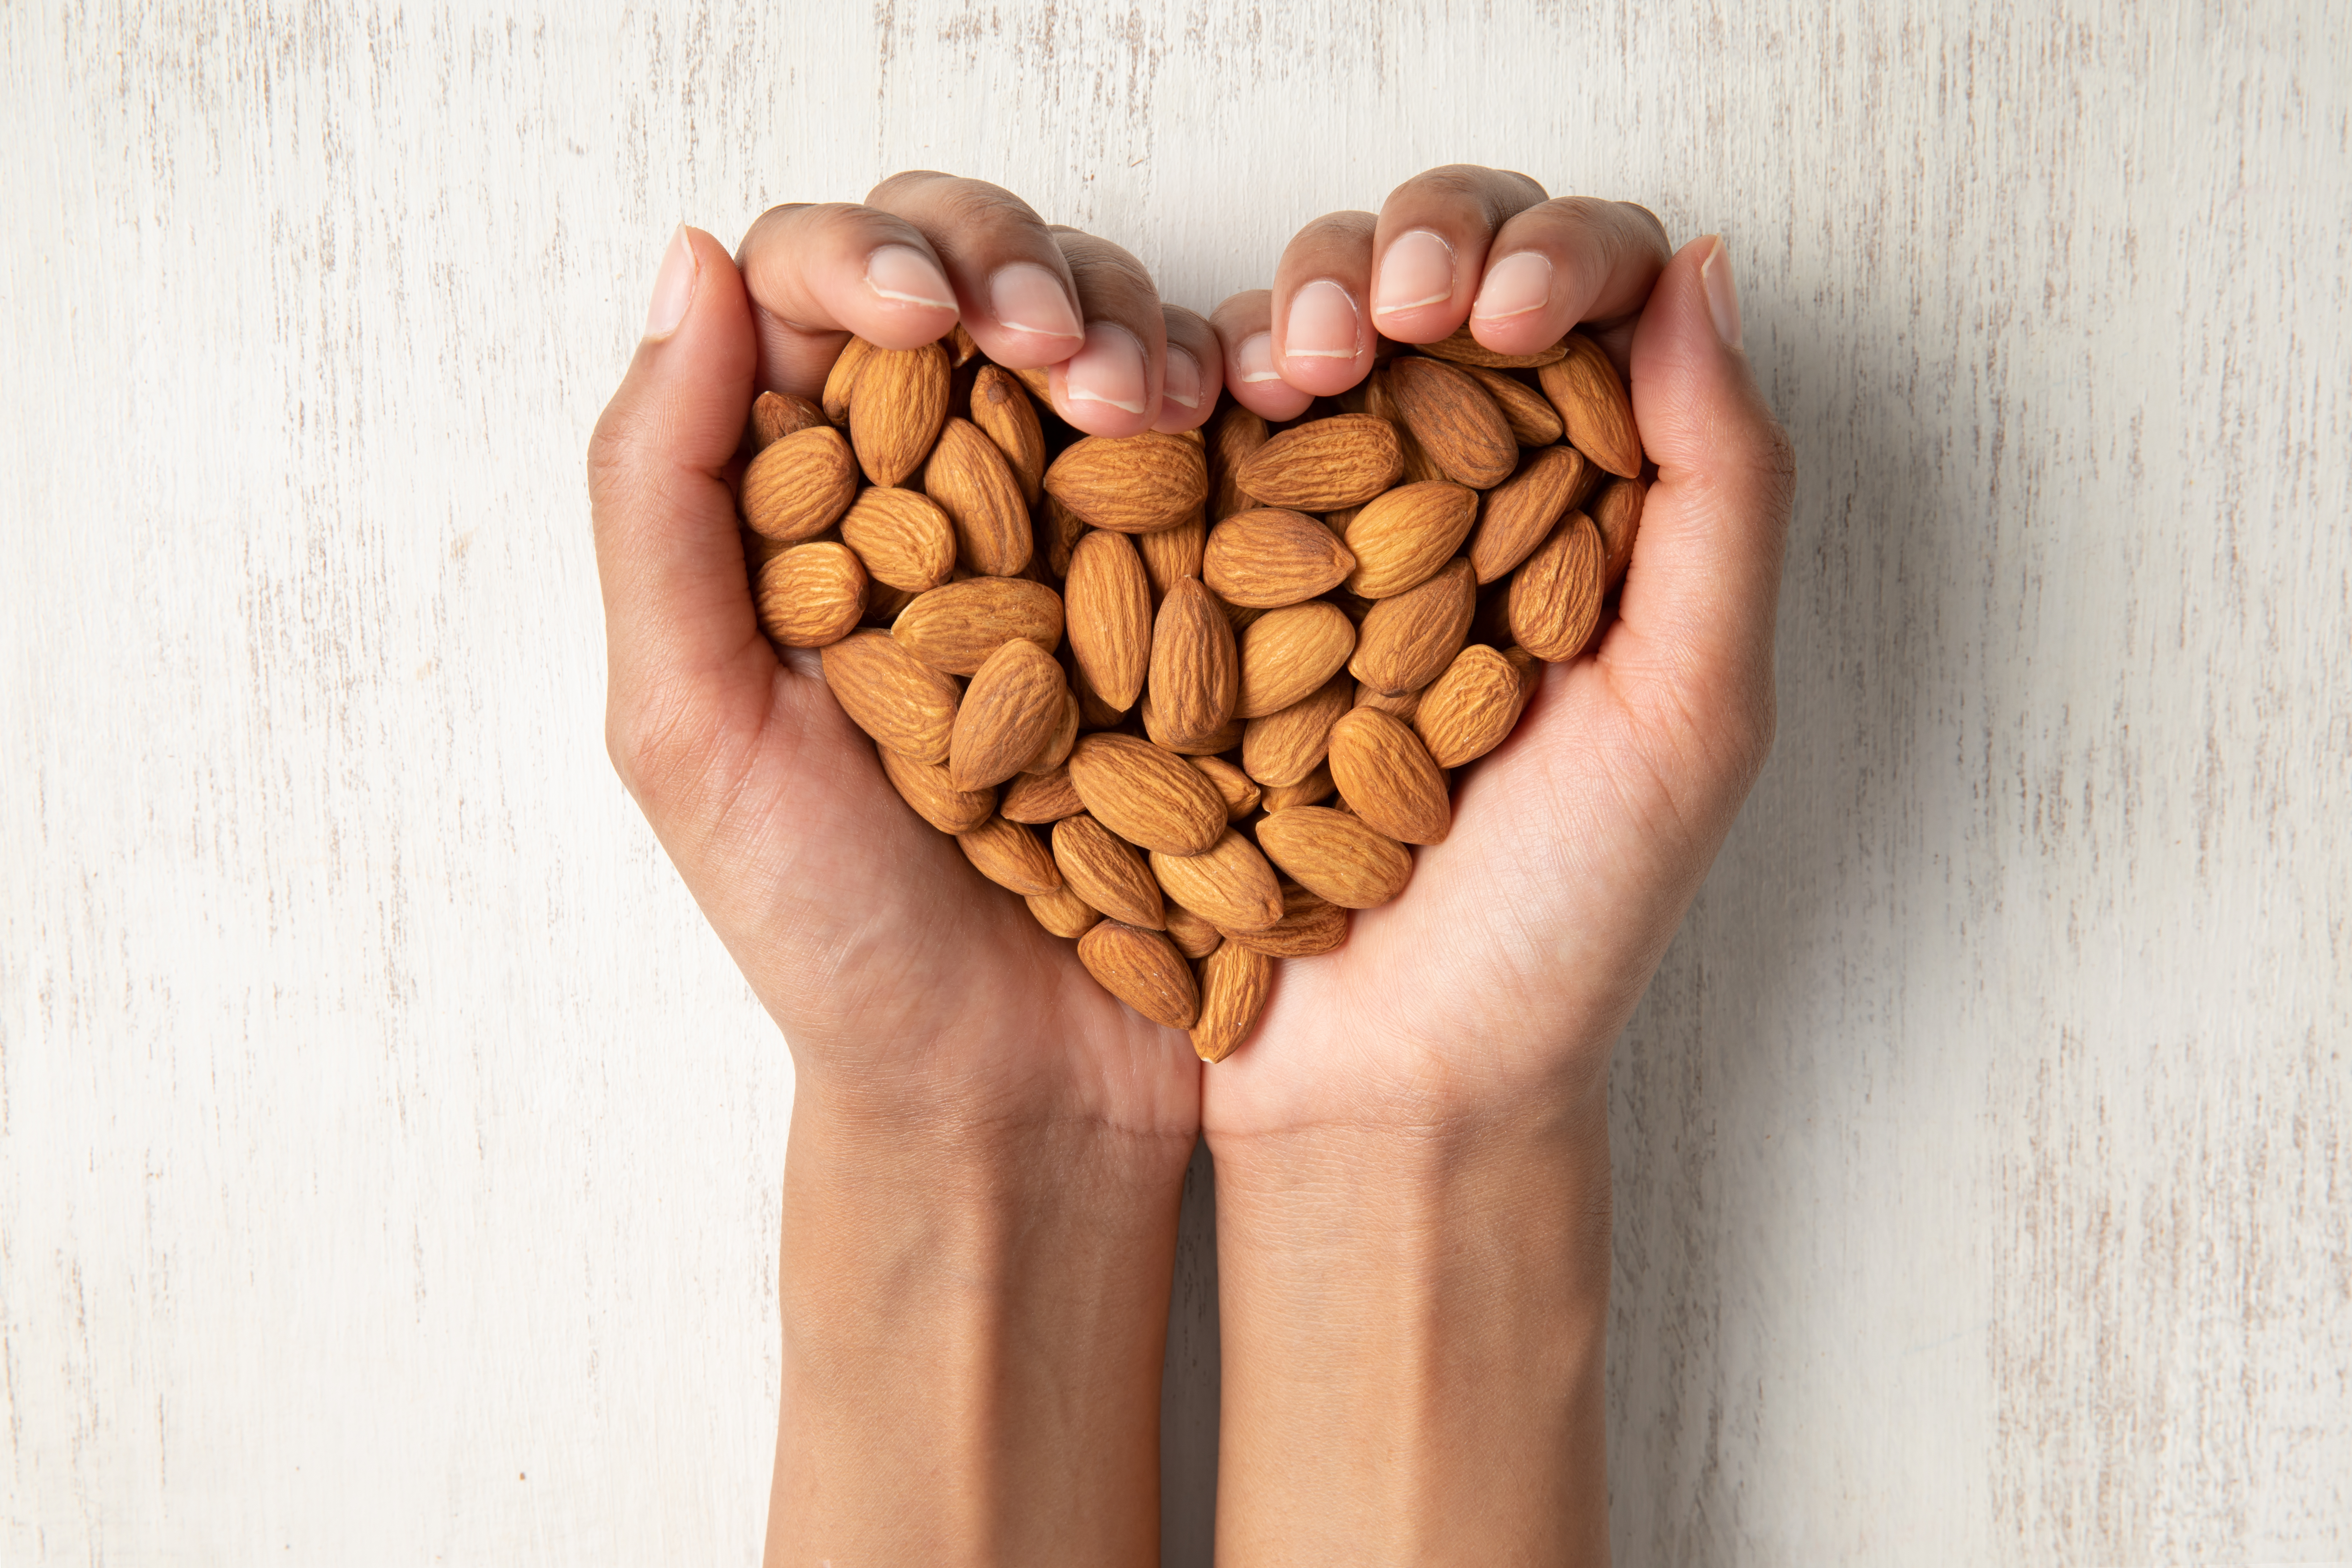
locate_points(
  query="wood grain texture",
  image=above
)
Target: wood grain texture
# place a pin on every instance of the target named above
(389, 1157)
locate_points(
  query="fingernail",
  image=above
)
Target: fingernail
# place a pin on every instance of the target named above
(1417, 270)
(1323, 323)
(1253, 359)
(1517, 284)
(1109, 370)
(1722, 294)
(673, 286)
(1179, 380)
(906, 275)
(1028, 298)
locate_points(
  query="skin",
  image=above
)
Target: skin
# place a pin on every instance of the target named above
(986, 1150)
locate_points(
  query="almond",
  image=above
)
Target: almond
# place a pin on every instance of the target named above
(1229, 884)
(1055, 754)
(1286, 654)
(1209, 745)
(1010, 710)
(1453, 419)
(1004, 411)
(1616, 512)
(776, 414)
(842, 379)
(1062, 912)
(1315, 786)
(1515, 516)
(1469, 710)
(1195, 671)
(1233, 435)
(1400, 703)
(891, 694)
(1324, 464)
(925, 787)
(1556, 596)
(1407, 641)
(1058, 530)
(1039, 383)
(962, 350)
(1462, 349)
(1010, 855)
(812, 594)
(1386, 776)
(901, 402)
(1131, 484)
(1336, 856)
(1106, 603)
(1239, 790)
(971, 480)
(1270, 558)
(1585, 388)
(1283, 748)
(799, 487)
(1142, 969)
(1106, 871)
(1093, 713)
(1401, 539)
(1308, 926)
(954, 627)
(1147, 795)
(902, 536)
(1234, 984)
(1040, 798)
(1194, 937)
(1381, 400)
(1533, 421)
(1171, 555)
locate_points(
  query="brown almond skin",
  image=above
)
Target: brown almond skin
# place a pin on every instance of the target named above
(1386, 776)
(1195, 670)
(1038, 799)
(799, 487)
(902, 536)
(901, 402)
(1171, 555)
(962, 350)
(1518, 514)
(1308, 926)
(1284, 748)
(1241, 790)
(1533, 421)
(1230, 884)
(1461, 348)
(841, 381)
(1010, 855)
(955, 627)
(1010, 710)
(1406, 642)
(1004, 413)
(1454, 420)
(925, 787)
(974, 486)
(1107, 872)
(1469, 710)
(1107, 609)
(1270, 558)
(1194, 937)
(811, 596)
(1233, 436)
(1058, 530)
(1585, 388)
(1234, 984)
(776, 414)
(1336, 856)
(1402, 538)
(1142, 969)
(1400, 703)
(891, 694)
(1286, 654)
(1062, 912)
(1314, 788)
(1616, 512)
(1556, 595)
(1131, 484)
(1324, 464)
(1094, 713)
(1055, 754)
(1147, 795)
(1215, 742)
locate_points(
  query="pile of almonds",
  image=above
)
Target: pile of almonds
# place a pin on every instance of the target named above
(1191, 696)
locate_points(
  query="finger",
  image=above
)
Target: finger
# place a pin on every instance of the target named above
(817, 273)
(683, 647)
(1245, 328)
(1572, 259)
(1196, 369)
(1430, 246)
(1012, 283)
(1111, 385)
(1322, 345)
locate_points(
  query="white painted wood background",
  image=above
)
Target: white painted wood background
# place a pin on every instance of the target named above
(389, 1157)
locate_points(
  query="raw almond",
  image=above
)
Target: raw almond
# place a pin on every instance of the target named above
(1400, 703)
(1233, 435)
(1402, 538)
(1093, 713)
(1040, 798)
(1057, 531)
(960, 348)
(1171, 555)
(1209, 745)
(1284, 748)
(974, 486)
(1038, 381)
(1194, 673)
(842, 379)
(1004, 411)
(1010, 855)
(1286, 654)
(900, 404)
(1381, 400)
(1336, 856)
(902, 536)
(1142, 969)
(1194, 937)
(1309, 925)
(1453, 419)
(1106, 871)
(1315, 787)
(1229, 884)
(1010, 710)
(799, 487)
(776, 414)
(1131, 484)
(1241, 790)
(955, 627)
(1462, 349)
(925, 787)
(1516, 515)
(1055, 754)
(1062, 912)
(1533, 421)
(1556, 595)
(812, 594)
(891, 694)
(1585, 388)
(1616, 512)
(1234, 984)
(1271, 557)
(1147, 795)
(1106, 603)
(1469, 710)
(1324, 464)
(1386, 776)
(1407, 641)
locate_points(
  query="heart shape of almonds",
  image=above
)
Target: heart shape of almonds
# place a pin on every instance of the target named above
(1191, 696)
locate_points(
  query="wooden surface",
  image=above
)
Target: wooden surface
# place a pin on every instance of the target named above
(389, 1157)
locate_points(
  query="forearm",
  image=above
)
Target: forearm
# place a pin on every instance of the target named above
(1413, 1331)
(973, 1322)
